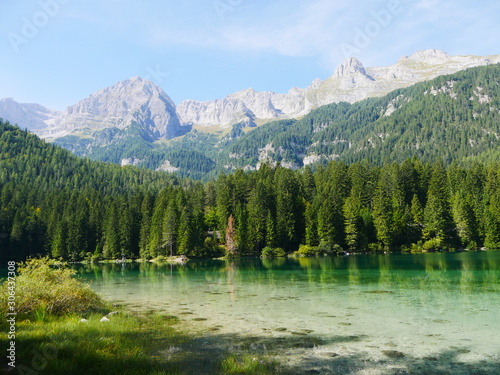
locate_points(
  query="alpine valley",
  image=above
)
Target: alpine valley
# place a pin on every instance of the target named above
(430, 105)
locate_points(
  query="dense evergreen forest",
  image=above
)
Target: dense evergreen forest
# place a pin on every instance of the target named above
(52, 202)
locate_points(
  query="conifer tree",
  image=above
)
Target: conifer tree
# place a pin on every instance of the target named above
(437, 215)
(170, 230)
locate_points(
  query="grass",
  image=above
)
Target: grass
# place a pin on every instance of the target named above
(124, 345)
(247, 364)
(127, 344)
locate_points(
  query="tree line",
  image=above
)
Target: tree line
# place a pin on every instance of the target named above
(53, 203)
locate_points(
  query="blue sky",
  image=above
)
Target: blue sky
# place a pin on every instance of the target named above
(57, 52)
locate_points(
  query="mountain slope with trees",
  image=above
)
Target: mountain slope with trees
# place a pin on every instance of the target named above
(452, 118)
(54, 203)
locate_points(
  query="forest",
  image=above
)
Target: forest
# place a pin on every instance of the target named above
(54, 203)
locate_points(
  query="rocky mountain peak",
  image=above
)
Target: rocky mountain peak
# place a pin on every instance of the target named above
(349, 67)
(122, 98)
(132, 101)
(427, 55)
(27, 115)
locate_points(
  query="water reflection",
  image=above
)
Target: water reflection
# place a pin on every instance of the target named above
(467, 271)
(417, 303)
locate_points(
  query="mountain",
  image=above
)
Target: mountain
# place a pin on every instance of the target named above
(138, 101)
(134, 101)
(135, 121)
(452, 118)
(31, 116)
(350, 83)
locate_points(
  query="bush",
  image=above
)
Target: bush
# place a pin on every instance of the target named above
(324, 248)
(270, 252)
(307, 251)
(375, 247)
(416, 247)
(160, 259)
(433, 244)
(43, 289)
(210, 249)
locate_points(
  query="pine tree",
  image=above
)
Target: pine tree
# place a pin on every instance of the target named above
(353, 223)
(383, 212)
(311, 230)
(58, 242)
(257, 212)
(145, 227)
(185, 232)
(465, 221)
(286, 208)
(169, 236)
(224, 201)
(111, 248)
(438, 223)
(271, 237)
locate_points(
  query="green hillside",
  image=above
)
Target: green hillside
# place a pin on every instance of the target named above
(450, 118)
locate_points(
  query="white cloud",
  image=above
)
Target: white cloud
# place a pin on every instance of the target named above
(304, 28)
(292, 28)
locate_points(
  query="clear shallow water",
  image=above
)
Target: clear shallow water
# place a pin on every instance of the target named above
(439, 310)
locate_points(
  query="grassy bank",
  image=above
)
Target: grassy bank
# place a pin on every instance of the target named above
(126, 344)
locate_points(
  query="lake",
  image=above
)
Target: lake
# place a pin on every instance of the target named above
(366, 314)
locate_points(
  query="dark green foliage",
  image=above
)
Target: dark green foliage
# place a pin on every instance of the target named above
(273, 252)
(54, 203)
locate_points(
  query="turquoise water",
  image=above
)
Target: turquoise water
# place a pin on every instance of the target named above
(419, 310)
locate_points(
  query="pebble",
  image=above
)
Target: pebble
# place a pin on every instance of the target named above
(393, 353)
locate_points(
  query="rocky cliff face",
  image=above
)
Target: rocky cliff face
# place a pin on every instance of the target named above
(350, 82)
(31, 116)
(133, 101)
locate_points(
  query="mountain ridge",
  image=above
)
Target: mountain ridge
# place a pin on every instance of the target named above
(452, 117)
(135, 121)
(350, 82)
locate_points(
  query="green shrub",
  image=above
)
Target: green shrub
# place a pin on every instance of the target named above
(433, 244)
(306, 251)
(44, 288)
(324, 248)
(210, 249)
(160, 259)
(273, 252)
(416, 247)
(375, 247)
